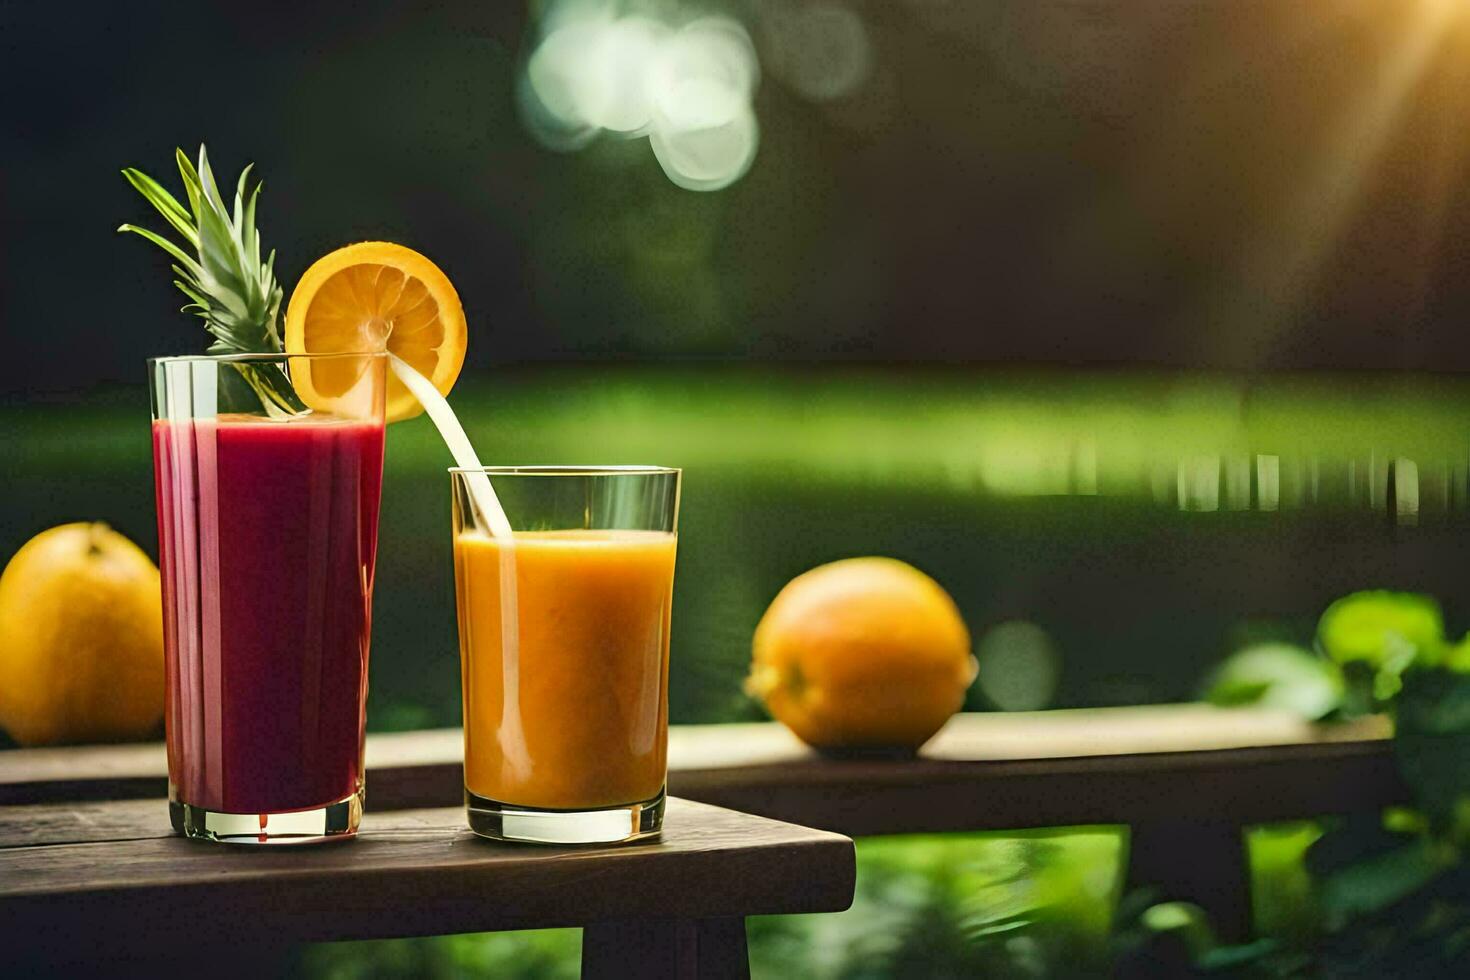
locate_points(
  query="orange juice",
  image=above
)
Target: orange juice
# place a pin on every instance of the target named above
(566, 708)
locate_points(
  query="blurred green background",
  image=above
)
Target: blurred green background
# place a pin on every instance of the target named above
(1136, 325)
(1108, 539)
(1142, 526)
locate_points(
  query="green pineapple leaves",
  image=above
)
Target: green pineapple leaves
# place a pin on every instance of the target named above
(219, 268)
(228, 286)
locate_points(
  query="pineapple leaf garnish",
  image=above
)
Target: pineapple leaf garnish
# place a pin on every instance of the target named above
(228, 286)
(218, 268)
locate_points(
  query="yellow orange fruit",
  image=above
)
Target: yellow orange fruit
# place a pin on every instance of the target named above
(862, 653)
(375, 296)
(81, 639)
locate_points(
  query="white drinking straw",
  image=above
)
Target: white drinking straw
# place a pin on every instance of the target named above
(482, 494)
(484, 501)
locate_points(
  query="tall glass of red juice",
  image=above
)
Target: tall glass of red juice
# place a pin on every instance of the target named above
(268, 529)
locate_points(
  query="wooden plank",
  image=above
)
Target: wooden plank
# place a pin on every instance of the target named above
(1054, 768)
(983, 771)
(47, 824)
(409, 873)
(1059, 734)
(864, 797)
(83, 772)
(405, 769)
(41, 824)
(861, 797)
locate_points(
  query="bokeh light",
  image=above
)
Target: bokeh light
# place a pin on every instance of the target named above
(551, 91)
(617, 96)
(821, 50)
(708, 158)
(1019, 666)
(688, 86)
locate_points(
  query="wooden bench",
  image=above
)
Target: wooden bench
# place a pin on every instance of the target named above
(89, 884)
(1185, 778)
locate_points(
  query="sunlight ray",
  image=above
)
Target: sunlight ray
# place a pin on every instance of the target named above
(1283, 263)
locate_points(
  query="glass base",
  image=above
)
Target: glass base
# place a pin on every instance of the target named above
(529, 825)
(335, 821)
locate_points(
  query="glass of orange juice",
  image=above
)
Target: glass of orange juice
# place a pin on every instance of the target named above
(564, 647)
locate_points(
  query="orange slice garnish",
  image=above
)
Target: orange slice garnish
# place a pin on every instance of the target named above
(375, 296)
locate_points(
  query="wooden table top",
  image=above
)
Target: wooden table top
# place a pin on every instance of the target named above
(114, 874)
(983, 771)
(1172, 763)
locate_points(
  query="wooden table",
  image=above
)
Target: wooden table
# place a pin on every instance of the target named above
(107, 883)
(982, 771)
(1185, 778)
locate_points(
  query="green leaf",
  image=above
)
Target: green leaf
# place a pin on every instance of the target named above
(1432, 741)
(192, 291)
(155, 193)
(1404, 820)
(1388, 680)
(277, 395)
(191, 180)
(1234, 957)
(1457, 657)
(1350, 840)
(1377, 626)
(240, 182)
(1378, 882)
(1231, 692)
(209, 186)
(228, 288)
(1435, 702)
(186, 275)
(1185, 920)
(168, 246)
(164, 202)
(1278, 675)
(245, 216)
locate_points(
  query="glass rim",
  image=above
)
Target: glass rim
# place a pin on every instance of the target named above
(256, 356)
(612, 470)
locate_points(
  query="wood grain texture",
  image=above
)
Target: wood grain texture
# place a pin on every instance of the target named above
(40, 824)
(415, 872)
(1059, 734)
(406, 769)
(1162, 769)
(861, 797)
(983, 771)
(1053, 768)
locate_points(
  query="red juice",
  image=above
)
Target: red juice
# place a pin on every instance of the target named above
(267, 537)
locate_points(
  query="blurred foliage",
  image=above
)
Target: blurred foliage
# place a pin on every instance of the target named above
(541, 954)
(1376, 636)
(1375, 895)
(1052, 499)
(1283, 894)
(1367, 641)
(1382, 627)
(1277, 675)
(1365, 895)
(1033, 904)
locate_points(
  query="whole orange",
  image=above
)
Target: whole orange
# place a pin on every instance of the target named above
(81, 639)
(862, 653)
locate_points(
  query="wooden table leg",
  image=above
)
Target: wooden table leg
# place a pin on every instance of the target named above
(1204, 862)
(686, 949)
